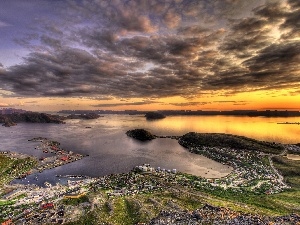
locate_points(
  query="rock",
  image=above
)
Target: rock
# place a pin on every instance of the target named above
(140, 134)
(9, 123)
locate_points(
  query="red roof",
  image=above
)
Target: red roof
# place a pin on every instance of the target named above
(64, 158)
(47, 206)
(7, 222)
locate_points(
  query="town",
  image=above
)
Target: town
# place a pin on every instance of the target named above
(253, 173)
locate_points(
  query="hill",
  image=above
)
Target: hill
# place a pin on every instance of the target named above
(30, 117)
(221, 140)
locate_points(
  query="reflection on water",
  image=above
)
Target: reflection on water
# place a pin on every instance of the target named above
(260, 128)
(111, 151)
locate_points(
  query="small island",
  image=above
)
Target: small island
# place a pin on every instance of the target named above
(154, 116)
(140, 134)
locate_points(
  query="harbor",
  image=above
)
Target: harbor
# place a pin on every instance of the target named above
(57, 156)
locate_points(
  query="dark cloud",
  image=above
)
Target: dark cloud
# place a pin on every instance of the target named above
(272, 11)
(292, 24)
(294, 3)
(143, 49)
(281, 58)
(246, 37)
(233, 102)
(229, 101)
(274, 67)
(192, 30)
(183, 104)
(145, 102)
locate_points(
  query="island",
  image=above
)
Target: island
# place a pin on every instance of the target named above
(154, 116)
(140, 134)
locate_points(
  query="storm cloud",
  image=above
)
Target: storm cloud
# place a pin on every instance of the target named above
(150, 49)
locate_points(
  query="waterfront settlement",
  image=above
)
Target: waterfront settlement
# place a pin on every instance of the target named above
(176, 195)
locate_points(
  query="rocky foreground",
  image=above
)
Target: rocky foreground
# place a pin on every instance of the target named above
(219, 215)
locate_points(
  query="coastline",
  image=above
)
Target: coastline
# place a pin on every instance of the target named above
(251, 177)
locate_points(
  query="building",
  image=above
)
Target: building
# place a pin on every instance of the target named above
(74, 195)
(13, 194)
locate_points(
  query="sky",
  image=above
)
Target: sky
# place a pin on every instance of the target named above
(150, 54)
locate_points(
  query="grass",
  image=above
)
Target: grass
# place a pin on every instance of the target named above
(5, 202)
(290, 169)
(11, 168)
(275, 204)
(128, 210)
(75, 201)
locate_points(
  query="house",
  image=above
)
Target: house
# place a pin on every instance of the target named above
(13, 194)
(74, 195)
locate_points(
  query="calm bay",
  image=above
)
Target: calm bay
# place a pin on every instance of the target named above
(111, 151)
